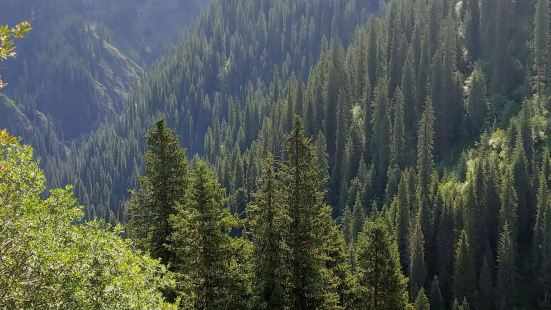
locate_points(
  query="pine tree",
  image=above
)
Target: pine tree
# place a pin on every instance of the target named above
(380, 280)
(446, 247)
(211, 266)
(381, 134)
(436, 301)
(506, 272)
(422, 302)
(161, 190)
(542, 35)
(485, 286)
(398, 141)
(411, 112)
(477, 102)
(464, 279)
(310, 288)
(403, 220)
(501, 73)
(358, 217)
(417, 268)
(425, 160)
(509, 206)
(544, 245)
(472, 28)
(522, 188)
(268, 224)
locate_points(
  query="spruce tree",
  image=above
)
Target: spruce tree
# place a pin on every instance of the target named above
(477, 102)
(211, 269)
(436, 300)
(422, 302)
(417, 268)
(542, 35)
(310, 285)
(485, 286)
(403, 220)
(472, 28)
(509, 206)
(161, 190)
(358, 217)
(380, 280)
(268, 224)
(381, 134)
(425, 159)
(446, 247)
(506, 273)
(544, 246)
(464, 279)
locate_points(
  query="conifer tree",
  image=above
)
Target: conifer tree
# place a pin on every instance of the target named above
(446, 247)
(472, 28)
(403, 220)
(212, 268)
(542, 35)
(477, 102)
(358, 217)
(509, 206)
(268, 224)
(485, 286)
(422, 302)
(381, 134)
(501, 72)
(417, 268)
(506, 272)
(464, 279)
(436, 301)
(425, 159)
(161, 190)
(522, 189)
(411, 111)
(310, 285)
(380, 280)
(543, 244)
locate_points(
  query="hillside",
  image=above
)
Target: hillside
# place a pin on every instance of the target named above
(84, 57)
(304, 154)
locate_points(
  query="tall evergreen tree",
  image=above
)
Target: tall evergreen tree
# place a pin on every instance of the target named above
(417, 268)
(381, 134)
(435, 298)
(305, 202)
(485, 286)
(506, 272)
(543, 244)
(464, 279)
(212, 268)
(425, 159)
(380, 280)
(268, 225)
(422, 302)
(477, 102)
(542, 36)
(161, 190)
(472, 28)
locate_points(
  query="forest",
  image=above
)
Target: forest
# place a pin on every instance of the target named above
(276, 154)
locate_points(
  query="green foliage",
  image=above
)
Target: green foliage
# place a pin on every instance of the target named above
(506, 288)
(162, 189)
(7, 40)
(464, 279)
(212, 267)
(422, 302)
(48, 261)
(268, 224)
(381, 282)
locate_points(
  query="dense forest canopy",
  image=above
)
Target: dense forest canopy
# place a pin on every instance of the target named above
(287, 154)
